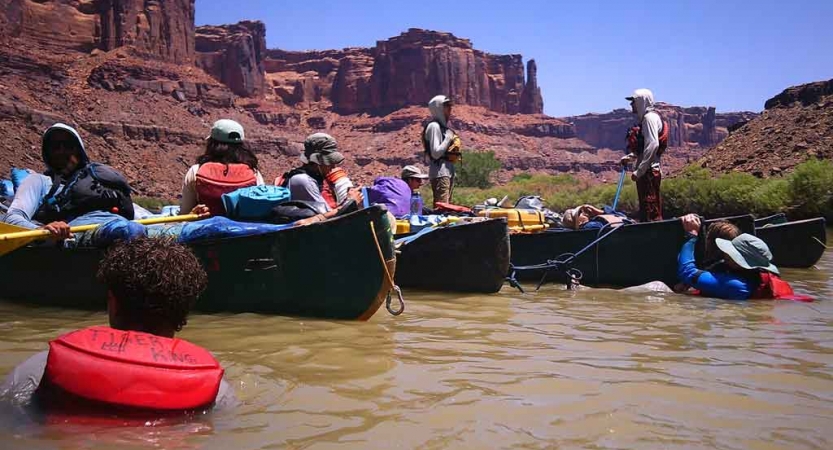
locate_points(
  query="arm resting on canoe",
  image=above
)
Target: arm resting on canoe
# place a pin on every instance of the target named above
(720, 285)
(27, 200)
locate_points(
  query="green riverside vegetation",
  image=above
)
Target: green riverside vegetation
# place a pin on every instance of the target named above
(804, 193)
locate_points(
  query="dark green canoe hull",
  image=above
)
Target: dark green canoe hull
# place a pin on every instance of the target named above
(471, 257)
(329, 270)
(797, 244)
(632, 255)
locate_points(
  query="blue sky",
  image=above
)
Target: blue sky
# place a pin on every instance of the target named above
(730, 54)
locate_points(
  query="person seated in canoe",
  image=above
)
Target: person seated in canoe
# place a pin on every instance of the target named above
(748, 272)
(396, 193)
(72, 191)
(414, 176)
(319, 173)
(589, 217)
(152, 283)
(226, 166)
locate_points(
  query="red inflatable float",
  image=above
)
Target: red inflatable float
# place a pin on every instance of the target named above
(131, 370)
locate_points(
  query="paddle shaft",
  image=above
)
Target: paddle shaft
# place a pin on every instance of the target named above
(39, 233)
(619, 188)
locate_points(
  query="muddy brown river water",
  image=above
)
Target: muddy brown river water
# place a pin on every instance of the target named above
(596, 369)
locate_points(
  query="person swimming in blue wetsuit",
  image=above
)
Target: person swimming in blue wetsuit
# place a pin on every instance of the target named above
(749, 272)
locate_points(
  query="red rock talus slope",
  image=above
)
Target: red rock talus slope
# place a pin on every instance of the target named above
(796, 125)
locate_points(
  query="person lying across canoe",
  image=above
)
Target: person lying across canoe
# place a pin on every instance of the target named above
(136, 366)
(590, 217)
(748, 272)
(72, 191)
(227, 165)
(320, 160)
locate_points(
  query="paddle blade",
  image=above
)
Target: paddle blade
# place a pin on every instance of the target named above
(9, 245)
(6, 228)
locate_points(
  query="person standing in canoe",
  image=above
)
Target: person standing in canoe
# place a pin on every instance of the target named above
(72, 191)
(306, 183)
(442, 149)
(226, 166)
(646, 142)
(747, 272)
(152, 284)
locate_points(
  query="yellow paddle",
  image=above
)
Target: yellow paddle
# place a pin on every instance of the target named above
(13, 237)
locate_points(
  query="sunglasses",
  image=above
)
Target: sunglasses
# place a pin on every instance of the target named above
(62, 144)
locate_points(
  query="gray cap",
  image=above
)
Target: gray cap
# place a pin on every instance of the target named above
(227, 131)
(413, 172)
(321, 149)
(748, 251)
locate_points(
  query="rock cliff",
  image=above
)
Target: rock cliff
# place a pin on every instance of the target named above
(159, 29)
(234, 55)
(694, 126)
(405, 70)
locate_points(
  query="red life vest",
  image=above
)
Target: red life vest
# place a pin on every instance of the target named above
(636, 141)
(773, 287)
(328, 190)
(215, 179)
(129, 370)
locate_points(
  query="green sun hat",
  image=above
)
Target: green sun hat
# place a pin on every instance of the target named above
(749, 252)
(227, 131)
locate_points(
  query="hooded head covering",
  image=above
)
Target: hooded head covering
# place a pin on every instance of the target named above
(84, 160)
(321, 149)
(644, 101)
(436, 107)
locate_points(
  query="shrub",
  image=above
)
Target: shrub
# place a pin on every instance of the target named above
(810, 189)
(152, 204)
(807, 192)
(476, 169)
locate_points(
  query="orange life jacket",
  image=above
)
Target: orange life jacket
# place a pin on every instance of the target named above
(128, 370)
(773, 287)
(328, 190)
(636, 141)
(215, 179)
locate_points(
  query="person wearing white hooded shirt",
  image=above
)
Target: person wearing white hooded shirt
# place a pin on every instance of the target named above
(437, 139)
(647, 172)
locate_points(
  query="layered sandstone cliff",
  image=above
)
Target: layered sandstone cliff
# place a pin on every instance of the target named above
(157, 28)
(405, 70)
(694, 126)
(234, 55)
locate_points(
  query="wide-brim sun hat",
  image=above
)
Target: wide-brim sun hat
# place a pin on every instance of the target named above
(748, 252)
(321, 149)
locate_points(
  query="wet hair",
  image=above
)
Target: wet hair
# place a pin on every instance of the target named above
(722, 230)
(225, 153)
(155, 282)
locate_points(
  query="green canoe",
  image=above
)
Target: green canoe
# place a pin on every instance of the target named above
(330, 270)
(631, 255)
